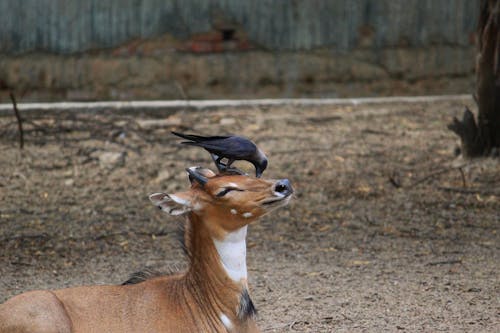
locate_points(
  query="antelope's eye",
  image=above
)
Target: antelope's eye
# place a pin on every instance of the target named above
(226, 191)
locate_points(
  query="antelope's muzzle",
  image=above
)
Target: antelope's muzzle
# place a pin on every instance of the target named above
(283, 187)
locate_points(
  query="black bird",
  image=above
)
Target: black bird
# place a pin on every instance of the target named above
(231, 147)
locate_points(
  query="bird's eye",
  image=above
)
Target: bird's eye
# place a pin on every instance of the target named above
(225, 191)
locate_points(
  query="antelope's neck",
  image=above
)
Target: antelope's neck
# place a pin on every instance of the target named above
(218, 273)
(217, 277)
(232, 252)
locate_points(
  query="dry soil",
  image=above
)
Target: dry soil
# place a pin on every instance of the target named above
(388, 230)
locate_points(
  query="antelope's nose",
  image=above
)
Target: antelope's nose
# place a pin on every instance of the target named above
(284, 187)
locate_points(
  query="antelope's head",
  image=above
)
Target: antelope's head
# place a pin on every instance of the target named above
(225, 202)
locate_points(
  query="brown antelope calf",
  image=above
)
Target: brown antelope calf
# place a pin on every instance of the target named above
(212, 296)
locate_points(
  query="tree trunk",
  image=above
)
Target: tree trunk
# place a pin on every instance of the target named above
(483, 137)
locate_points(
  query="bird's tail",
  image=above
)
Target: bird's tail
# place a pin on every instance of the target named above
(191, 143)
(191, 137)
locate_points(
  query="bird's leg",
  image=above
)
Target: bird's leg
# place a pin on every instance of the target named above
(231, 169)
(217, 160)
(229, 162)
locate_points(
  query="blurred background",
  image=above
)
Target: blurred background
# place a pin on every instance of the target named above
(199, 49)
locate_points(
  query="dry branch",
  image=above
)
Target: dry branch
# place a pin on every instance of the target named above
(445, 262)
(483, 191)
(480, 136)
(19, 120)
(435, 174)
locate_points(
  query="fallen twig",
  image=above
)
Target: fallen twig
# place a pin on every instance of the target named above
(394, 180)
(292, 325)
(469, 190)
(462, 173)
(444, 262)
(19, 120)
(442, 171)
(42, 236)
(433, 175)
(346, 317)
(277, 327)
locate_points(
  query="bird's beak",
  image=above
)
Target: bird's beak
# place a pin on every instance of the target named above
(258, 172)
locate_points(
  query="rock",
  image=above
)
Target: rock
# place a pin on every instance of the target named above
(227, 121)
(163, 175)
(111, 160)
(156, 123)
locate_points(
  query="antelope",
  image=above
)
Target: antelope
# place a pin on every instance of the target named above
(211, 296)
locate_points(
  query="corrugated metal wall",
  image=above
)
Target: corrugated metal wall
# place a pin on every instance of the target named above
(69, 26)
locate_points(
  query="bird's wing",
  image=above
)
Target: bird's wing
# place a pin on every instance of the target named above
(234, 147)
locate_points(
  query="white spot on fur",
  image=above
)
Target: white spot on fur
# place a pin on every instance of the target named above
(232, 252)
(232, 185)
(247, 215)
(278, 194)
(234, 211)
(226, 321)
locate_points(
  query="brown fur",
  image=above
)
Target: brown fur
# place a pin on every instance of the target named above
(188, 302)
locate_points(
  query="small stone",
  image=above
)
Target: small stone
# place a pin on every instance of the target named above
(111, 160)
(227, 121)
(163, 175)
(158, 123)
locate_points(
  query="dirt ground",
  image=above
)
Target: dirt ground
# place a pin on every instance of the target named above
(388, 231)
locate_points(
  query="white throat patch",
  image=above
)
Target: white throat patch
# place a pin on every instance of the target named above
(233, 252)
(226, 321)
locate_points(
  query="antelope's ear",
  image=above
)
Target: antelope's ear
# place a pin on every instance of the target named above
(173, 204)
